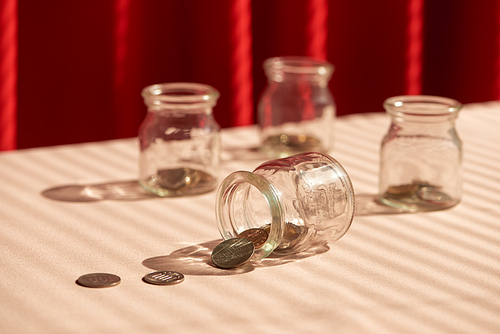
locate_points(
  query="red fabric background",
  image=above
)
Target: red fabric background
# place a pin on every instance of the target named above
(82, 65)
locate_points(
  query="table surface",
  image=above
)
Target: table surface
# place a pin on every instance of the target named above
(71, 210)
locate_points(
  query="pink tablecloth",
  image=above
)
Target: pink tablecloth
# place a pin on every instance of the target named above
(71, 210)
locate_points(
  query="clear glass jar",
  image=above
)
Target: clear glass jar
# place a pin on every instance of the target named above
(421, 155)
(299, 201)
(296, 111)
(179, 140)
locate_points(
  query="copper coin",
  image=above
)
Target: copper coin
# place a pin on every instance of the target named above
(257, 236)
(292, 234)
(98, 280)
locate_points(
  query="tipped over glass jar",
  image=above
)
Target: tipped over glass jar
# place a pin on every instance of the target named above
(298, 201)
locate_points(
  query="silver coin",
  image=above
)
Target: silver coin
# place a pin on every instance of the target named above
(432, 195)
(98, 280)
(164, 277)
(232, 252)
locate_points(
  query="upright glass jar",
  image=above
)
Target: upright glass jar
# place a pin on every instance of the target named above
(421, 155)
(179, 140)
(299, 201)
(296, 111)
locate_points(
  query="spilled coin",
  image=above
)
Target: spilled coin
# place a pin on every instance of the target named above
(98, 280)
(232, 252)
(164, 278)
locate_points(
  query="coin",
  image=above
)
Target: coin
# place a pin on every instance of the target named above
(98, 280)
(266, 228)
(175, 178)
(232, 252)
(434, 196)
(257, 236)
(292, 234)
(402, 190)
(164, 277)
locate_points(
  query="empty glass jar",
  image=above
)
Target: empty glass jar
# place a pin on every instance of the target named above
(179, 140)
(296, 111)
(299, 201)
(421, 155)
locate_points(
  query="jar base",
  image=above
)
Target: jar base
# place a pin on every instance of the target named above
(283, 145)
(179, 182)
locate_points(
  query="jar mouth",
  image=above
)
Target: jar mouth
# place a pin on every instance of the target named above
(180, 95)
(298, 65)
(232, 217)
(418, 106)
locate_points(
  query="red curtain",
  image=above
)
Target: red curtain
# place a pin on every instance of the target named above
(72, 71)
(8, 74)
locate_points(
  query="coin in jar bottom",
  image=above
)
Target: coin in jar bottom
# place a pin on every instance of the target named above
(98, 280)
(434, 196)
(164, 278)
(232, 252)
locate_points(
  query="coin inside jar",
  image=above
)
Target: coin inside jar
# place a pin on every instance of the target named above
(232, 252)
(433, 195)
(176, 178)
(292, 234)
(402, 190)
(257, 236)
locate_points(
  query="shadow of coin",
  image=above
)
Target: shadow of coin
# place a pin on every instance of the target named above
(194, 260)
(118, 191)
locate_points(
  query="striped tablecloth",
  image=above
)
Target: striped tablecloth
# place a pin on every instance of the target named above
(70, 210)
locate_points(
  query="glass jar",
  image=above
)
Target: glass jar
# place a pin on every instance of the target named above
(296, 111)
(179, 140)
(421, 155)
(299, 201)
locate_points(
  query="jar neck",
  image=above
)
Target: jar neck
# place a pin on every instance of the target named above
(234, 206)
(180, 98)
(169, 111)
(422, 110)
(298, 69)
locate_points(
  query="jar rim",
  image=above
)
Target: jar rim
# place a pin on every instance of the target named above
(180, 94)
(226, 225)
(299, 65)
(422, 105)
